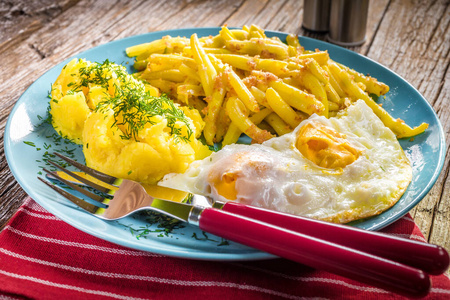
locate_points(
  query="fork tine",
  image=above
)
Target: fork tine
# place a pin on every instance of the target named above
(77, 201)
(79, 178)
(94, 173)
(93, 196)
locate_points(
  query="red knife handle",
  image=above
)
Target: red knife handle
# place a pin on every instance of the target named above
(431, 258)
(316, 253)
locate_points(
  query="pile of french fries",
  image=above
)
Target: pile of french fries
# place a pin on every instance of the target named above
(245, 82)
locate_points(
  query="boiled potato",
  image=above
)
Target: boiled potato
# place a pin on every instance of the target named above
(127, 129)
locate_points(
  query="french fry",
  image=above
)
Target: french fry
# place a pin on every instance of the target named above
(372, 85)
(334, 84)
(206, 70)
(292, 40)
(281, 108)
(259, 95)
(239, 34)
(315, 87)
(223, 122)
(160, 62)
(232, 135)
(234, 132)
(213, 109)
(238, 114)
(191, 89)
(297, 98)
(278, 124)
(321, 57)
(332, 95)
(247, 63)
(189, 72)
(169, 75)
(315, 69)
(256, 46)
(256, 32)
(226, 34)
(242, 91)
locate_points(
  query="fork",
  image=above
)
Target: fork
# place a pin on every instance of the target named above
(251, 226)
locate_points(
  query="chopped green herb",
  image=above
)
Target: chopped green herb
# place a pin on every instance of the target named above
(29, 143)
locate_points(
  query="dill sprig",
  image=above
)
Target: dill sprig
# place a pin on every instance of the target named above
(133, 106)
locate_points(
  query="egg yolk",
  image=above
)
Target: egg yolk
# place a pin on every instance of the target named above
(226, 187)
(242, 166)
(325, 147)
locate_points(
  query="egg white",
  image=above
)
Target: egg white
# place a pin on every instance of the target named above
(275, 175)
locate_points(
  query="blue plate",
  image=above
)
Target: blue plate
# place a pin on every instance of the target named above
(25, 129)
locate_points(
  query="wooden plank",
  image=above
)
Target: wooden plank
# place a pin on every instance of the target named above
(19, 19)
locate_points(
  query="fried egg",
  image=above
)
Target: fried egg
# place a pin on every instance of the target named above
(339, 169)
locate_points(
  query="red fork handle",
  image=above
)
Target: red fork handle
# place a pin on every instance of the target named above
(316, 253)
(431, 258)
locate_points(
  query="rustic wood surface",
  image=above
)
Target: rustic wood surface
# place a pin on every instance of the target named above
(412, 38)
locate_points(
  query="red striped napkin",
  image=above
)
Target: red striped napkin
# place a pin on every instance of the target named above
(41, 257)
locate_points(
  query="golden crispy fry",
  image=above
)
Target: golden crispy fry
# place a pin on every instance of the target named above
(315, 69)
(315, 87)
(242, 91)
(238, 114)
(239, 34)
(234, 132)
(259, 95)
(321, 57)
(278, 124)
(190, 89)
(282, 109)
(372, 85)
(213, 108)
(167, 44)
(160, 62)
(334, 84)
(170, 75)
(232, 135)
(191, 73)
(206, 70)
(226, 34)
(298, 99)
(258, 46)
(332, 94)
(292, 41)
(223, 122)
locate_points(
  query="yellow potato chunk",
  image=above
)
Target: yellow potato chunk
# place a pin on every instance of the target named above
(68, 116)
(155, 154)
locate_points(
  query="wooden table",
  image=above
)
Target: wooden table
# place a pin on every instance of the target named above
(411, 38)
